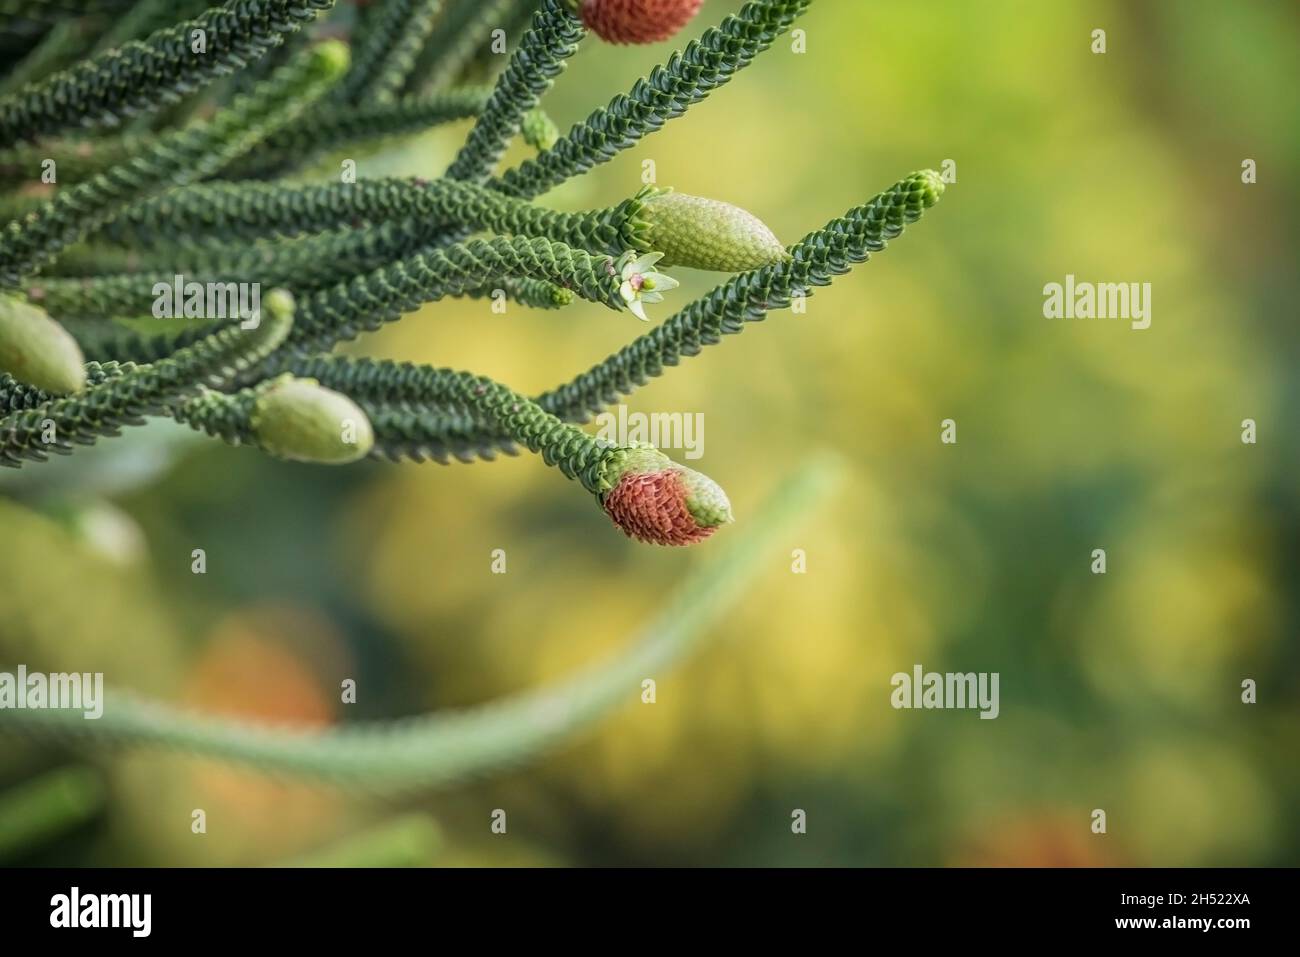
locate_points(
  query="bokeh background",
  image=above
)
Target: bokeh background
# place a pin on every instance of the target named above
(1119, 692)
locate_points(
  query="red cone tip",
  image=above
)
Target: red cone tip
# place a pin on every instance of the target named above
(663, 503)
(637, 21)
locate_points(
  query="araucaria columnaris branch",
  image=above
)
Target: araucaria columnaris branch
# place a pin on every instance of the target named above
(116, 205)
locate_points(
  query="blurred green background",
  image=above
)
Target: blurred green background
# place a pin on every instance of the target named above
(1119, 692)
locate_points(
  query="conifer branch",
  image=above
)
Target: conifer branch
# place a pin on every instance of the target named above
(161, 69)
(645, 494)
(131, 210)
(360, 254)
(541, 56)
(364, 124)
(748, 297)
(252, 210)
(465, 27)
(61, 45)
(179, 157)
(422, 432)
(365, 303)
(687, 78)
(320, 260)
(385, 383)
(18, 396)
(690, 231)
(143, 18)
(343, 311)
(54, 11)
(395, 32)
(290, 147)
(60, 424)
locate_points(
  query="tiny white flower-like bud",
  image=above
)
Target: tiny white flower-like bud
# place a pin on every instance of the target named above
(641, 283)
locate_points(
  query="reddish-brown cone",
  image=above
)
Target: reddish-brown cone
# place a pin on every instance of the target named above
(637, 21)
(651, 507)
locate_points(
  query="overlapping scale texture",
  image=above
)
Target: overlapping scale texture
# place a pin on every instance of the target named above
(638, 21)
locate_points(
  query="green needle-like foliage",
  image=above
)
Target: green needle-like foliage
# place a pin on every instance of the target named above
(52, 11)
(179, 157)
(145, 75)
(76, 159)
(227, 211)
(147, 17)
(58, 425)
(388, 49)
(749, 297)
(415, 209)
(363, 124)
(548, 43)
(308, 263)
(134, 215)
(252, 210)
(420, 432)
(346, 310)
(569, 449)
(347, 125)
(402, 213)
(343, 311)
(61, 45)
(459, 35)
(16, 396)
(687, 78)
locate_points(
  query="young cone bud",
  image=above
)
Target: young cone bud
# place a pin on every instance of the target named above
(653, 499)
(36, 350)
(301, 420)
(709, 234)
(637, 21)
(279, 308)
(330, 58)
(539, 130)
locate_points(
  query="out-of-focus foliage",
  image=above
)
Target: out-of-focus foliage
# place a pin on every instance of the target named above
(1119, 692)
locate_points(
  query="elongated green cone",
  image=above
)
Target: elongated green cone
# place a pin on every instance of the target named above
(36, 350)
(301, 420)
(709, 234)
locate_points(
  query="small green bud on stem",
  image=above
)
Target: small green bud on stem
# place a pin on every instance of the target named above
(301, 420)
(330, 59)
(36, 350)
(539, 130)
